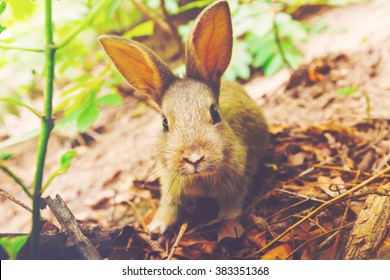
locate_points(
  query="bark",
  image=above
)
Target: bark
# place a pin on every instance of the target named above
(370, 228)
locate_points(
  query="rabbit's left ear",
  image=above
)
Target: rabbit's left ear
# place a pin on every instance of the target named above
(209, 45)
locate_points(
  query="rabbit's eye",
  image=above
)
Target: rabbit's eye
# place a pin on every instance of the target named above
(165, 124)
(214, 114)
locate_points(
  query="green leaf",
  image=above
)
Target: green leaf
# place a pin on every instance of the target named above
(13, 245)
(2, 28)
(66, 160)
(14, 101)
(19, 138)
(5, 155)
(172, 6)
(21, 9)
(110, 100)
(87, 117)
(347, 91)
(3, 5)
(274, 65)
(144, 29)
(194, 4)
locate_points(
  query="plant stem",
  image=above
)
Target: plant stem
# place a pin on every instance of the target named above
(279, 45)
(47, 127)
(90, 18)
(9, 47)
(16, 178)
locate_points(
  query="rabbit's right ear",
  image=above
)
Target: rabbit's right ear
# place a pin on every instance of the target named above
(139, 65)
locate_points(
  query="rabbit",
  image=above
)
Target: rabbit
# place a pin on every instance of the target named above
(214, 135)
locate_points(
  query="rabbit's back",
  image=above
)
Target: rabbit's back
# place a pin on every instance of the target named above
(246, 120)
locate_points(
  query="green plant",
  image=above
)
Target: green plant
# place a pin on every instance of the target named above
(355, 90)
(13, 245)
(84, 116)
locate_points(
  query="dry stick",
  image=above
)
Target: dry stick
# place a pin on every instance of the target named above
(148, 14)
(287, 208)
(183, 229)
(68, 222)
(279, 45)
(6, 195)
(173, 28)
(301, 195)
(337, 168)
(316, 237)
(322, 207)
(382, 163)
(137, 213)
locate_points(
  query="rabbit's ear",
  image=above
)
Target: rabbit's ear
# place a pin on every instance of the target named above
(139, 65)
(209, 45)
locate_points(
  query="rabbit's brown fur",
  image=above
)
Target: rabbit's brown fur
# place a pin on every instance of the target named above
(214, 134)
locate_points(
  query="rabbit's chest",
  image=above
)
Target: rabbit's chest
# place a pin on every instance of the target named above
(213, 188)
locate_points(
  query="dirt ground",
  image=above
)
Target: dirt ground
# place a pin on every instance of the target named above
(353, 52)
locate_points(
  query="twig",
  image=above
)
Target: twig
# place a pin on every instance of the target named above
(148, 14)
(6, 195)
(322, 207)
(16, 178)
(316, 237)
(382, 163)
(173, 28)
(183, 229)
(300, 195)
(138, 214)
(289, 207)
(309, 170)
(9, 47)
(279, 45)
(337, 168)
(69, 224)
(17, 102)
(89, 19)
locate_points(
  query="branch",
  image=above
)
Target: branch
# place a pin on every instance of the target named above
(183, 229)
(89, 19)
(9, 47)
(68, 222)
(279, 44)
(16, 178)
(17, 102)
(148, 14)
(173, 28)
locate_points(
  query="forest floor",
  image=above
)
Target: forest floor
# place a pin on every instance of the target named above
(321, 145)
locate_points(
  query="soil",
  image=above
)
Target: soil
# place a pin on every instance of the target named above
(118, 152)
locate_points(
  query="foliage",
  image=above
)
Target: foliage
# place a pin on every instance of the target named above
(13, 245)
(258, 47)
(66, 160)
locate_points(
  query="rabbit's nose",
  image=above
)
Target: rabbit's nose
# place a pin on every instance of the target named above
(194, 158)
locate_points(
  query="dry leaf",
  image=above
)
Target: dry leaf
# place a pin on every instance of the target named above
(278, 253)
(230, 229)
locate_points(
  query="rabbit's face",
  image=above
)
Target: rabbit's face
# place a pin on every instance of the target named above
(193, 137)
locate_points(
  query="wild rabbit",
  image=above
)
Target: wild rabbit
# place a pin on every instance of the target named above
(214, 135)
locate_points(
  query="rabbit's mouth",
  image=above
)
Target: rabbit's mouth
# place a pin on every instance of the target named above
(197, 170)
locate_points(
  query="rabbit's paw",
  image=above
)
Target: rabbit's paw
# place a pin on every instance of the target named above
(161, 222)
